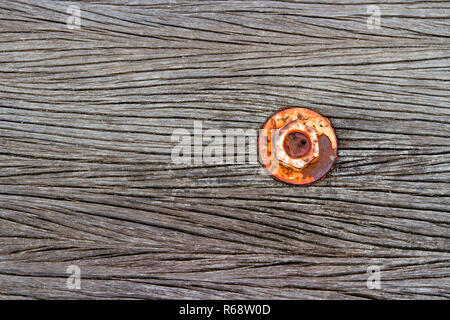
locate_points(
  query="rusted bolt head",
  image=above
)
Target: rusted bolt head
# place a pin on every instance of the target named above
(297, 146)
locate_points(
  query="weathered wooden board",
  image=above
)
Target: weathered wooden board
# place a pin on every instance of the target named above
(86, 177)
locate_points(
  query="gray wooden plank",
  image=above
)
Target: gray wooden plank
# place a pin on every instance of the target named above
(87, 179)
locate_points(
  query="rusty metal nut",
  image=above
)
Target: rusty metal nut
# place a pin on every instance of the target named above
(297, 146)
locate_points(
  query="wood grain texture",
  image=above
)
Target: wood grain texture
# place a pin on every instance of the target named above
(86, 177)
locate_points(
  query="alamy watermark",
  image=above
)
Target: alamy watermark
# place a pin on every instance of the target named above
(374, 277)
(74, 20)
(374, 19)
(74, 280)
(214, 146)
